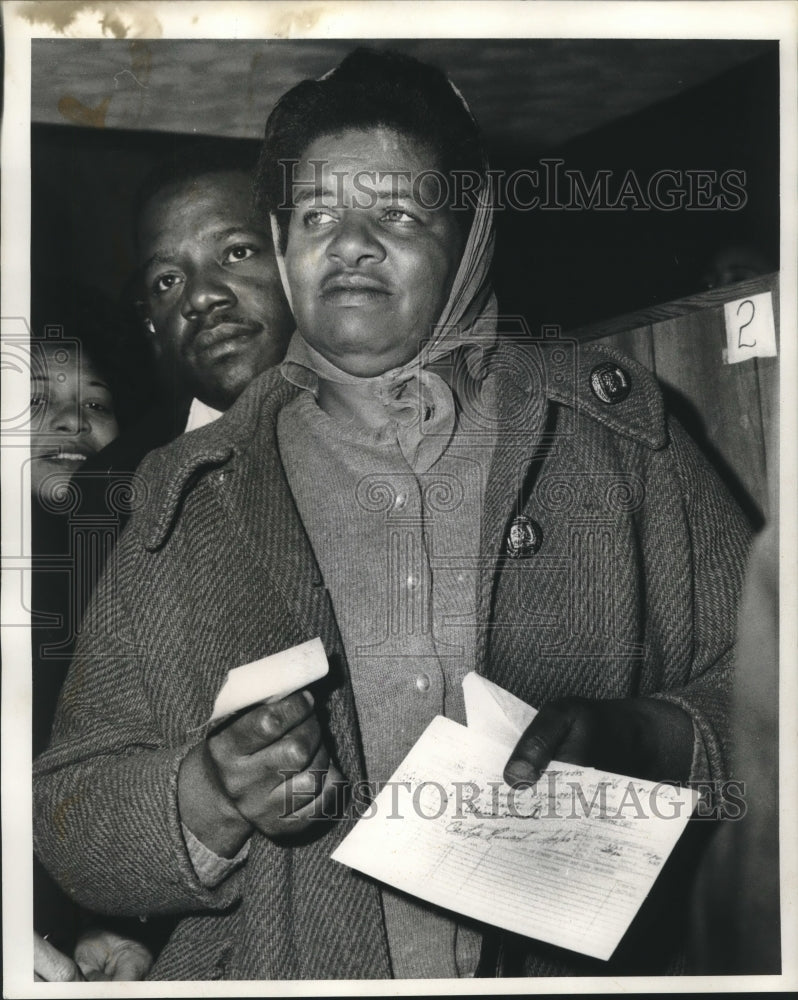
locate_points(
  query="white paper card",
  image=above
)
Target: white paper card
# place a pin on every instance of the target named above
(568, 862)
(750, 328)
(272, 678)
(493, 711)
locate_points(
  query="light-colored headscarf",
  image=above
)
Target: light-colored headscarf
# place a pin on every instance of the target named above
(418, 400)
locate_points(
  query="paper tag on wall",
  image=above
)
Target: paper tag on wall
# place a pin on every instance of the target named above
(750, 328)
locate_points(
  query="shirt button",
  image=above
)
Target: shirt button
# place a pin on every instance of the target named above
(422, 683)
(412, 581)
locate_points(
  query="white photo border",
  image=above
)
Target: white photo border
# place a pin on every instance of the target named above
(259, 19)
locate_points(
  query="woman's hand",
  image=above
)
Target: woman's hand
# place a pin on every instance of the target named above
(640, 737)
(268, 769)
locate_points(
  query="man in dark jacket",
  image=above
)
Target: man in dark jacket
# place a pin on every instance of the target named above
(428, 500)
(211, 304)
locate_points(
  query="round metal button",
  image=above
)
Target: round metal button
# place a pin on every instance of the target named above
(422, 683)
(610, 383)
(524, 537)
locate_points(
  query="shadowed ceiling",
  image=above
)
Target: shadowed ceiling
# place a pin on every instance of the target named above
(534, 93)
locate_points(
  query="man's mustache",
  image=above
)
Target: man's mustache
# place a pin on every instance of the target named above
(210, 329)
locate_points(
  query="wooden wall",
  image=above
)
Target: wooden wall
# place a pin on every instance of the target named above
(730, 410)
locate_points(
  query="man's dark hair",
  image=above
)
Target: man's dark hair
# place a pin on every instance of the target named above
(369, 88)
(190, 161)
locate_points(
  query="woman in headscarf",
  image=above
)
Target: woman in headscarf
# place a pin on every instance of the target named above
(429, 501)
(390, 287)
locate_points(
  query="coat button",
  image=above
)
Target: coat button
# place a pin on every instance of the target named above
(422, 683)
(524, 537)
(610, 383)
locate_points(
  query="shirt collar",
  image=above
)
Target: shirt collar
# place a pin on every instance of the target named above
(298, 366)
(199, 415)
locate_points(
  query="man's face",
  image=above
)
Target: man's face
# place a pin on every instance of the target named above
(369, 272)
(214, 299)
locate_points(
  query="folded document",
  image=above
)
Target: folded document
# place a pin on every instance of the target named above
(271, 678)
(569, 861)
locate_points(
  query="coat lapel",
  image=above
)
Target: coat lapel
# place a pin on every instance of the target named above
(258, 499)
(521, 418)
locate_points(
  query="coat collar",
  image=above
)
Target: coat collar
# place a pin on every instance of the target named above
(571, 367)
(170, 471)
(533, 374)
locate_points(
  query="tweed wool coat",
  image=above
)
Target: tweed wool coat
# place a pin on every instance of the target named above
(633, 591)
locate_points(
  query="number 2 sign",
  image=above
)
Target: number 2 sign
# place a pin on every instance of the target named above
(750, 330)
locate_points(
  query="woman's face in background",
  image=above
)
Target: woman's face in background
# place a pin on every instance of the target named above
(72, 416)
(370, 260)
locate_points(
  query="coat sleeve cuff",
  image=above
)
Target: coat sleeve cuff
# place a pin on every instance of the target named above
(211, 868)
(706, 762)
